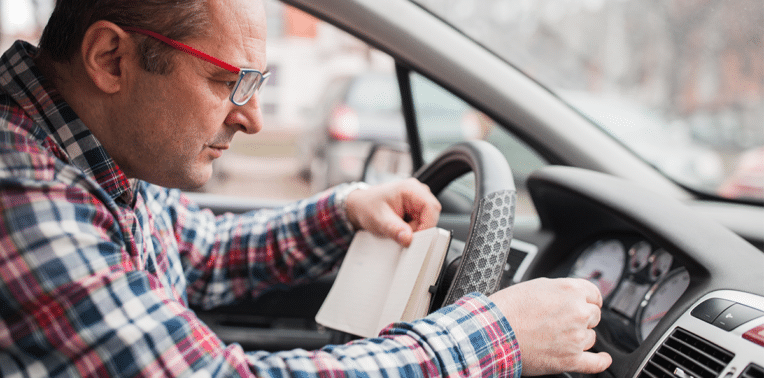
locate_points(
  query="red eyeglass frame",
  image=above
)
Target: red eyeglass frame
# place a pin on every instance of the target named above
(261, 77)
(185, 48)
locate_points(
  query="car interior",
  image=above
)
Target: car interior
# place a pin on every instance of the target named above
(681, 272)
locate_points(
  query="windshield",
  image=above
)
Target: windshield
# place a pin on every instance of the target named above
(680, 83)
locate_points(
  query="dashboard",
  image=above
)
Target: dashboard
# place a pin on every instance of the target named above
(721, 334)
(639, 283)
(683, 296)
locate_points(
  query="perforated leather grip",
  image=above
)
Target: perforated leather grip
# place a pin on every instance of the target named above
(492, 218)
(487, 247)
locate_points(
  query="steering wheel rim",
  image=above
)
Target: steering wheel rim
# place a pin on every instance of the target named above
(492, 218)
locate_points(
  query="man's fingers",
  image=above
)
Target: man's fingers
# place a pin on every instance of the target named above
(591, 339)
(394, 210)
(421, 208)
(595, 316)
(592, 293)
(395, 228)
(592, 363)
(553, 320)
(423, 218)
(403, 236)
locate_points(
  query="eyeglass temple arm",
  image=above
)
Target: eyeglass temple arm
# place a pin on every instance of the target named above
(185, 48)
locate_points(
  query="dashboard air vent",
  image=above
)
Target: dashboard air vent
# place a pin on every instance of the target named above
(753, 371)
(686, 355)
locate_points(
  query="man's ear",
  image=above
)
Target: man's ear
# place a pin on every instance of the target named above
(107, 51)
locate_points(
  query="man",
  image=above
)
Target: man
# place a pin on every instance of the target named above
(100, 263)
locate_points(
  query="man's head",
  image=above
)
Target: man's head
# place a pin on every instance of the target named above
(162, 114)
(179, 20)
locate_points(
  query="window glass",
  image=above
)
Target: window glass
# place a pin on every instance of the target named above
(374, 92)
(444, 119)
(329, 98)
(680, 83)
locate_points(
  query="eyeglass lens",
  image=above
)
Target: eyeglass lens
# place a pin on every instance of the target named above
(248, 85)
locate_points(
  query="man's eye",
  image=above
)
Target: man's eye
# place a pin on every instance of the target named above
(229, 84)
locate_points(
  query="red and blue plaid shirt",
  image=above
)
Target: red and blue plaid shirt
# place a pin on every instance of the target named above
(97, 271)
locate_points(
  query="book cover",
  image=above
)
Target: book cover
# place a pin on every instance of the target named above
(381, 282)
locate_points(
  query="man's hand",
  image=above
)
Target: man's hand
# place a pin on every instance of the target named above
(553, 321)
(394, 210)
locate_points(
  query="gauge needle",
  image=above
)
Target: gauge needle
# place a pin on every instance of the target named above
(654, 317)
(605, 287)
(596, 278)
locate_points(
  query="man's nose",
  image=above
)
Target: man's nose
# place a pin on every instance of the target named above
(247, 118)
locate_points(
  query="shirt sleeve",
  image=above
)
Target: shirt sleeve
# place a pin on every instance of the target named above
(229, 257)
(74, 305)
(470, 338)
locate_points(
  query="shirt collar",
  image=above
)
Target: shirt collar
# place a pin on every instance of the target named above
(21, 79)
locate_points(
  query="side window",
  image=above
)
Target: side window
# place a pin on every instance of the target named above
(330, 98)
(444, 119)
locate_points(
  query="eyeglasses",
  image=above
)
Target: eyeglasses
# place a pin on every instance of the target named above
(248, 83)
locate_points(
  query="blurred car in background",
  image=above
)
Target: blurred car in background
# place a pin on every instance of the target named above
(747, 179)
(363, 109)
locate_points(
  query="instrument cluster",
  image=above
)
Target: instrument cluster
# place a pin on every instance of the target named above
(639, 282)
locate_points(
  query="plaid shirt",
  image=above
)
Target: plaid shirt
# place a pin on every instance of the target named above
(98, 271)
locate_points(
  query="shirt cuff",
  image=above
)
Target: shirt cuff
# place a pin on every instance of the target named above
(478, 332)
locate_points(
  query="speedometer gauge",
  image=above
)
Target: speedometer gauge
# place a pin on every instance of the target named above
(602, 264)
(660, 264)
(659, 300)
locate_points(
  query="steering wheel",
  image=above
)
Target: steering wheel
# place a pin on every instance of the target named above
(482, 262)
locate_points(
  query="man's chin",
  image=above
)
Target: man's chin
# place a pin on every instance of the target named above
(197, 182)
(195, 186)
(194, 180)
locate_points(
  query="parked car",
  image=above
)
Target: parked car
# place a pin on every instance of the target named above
(675, 262)
(360, 110)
